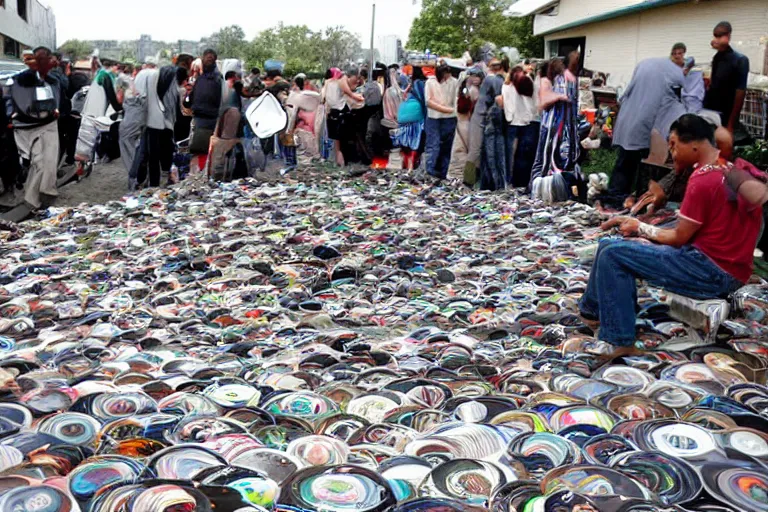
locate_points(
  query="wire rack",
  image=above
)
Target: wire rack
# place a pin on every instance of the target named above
(754, 115)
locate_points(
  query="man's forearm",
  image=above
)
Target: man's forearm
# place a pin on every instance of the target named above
(659, 235)
(738, 104)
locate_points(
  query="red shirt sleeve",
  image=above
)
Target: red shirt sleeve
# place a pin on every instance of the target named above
(696, 200)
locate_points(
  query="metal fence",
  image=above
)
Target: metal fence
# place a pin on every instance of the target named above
(754, 115)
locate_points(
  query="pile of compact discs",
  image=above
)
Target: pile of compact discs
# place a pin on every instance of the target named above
(356, 344)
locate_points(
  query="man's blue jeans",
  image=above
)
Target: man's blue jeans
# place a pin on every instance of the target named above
(611, 295)
(440, 134)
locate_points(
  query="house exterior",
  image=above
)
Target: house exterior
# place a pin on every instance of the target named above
(614, 35)
(25, 24)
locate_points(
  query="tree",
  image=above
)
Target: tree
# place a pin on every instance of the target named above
(303, 50)
(229, 42)
(128, 55)
(76, 49)
(296, 45)
(528, 44)
(340, 47)
(450, 27)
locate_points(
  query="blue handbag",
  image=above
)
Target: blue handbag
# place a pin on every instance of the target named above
(414, 109)
(410, 111)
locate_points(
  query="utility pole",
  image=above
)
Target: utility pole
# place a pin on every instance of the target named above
(373, 53)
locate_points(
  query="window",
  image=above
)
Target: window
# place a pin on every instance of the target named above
(562, 47)
(553, 48)
(22, 9)
(11, 47)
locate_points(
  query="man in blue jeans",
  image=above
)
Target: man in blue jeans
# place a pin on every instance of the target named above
(441, 94)
(708, 255)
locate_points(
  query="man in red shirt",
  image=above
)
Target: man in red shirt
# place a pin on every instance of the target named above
(708, 255)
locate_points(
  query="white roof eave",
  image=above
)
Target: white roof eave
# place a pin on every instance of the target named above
(527, 7)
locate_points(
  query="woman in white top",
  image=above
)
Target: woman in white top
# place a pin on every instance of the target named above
(441, 93)
(520, 110)
(336, 91)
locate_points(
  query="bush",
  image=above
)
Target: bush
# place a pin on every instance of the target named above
(756, 154)
(599, 160)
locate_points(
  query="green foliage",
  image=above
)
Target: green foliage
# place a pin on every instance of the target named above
(76, 49)
(303, 50)
(524, 40)
(451, 27)
(600, 160)
(339, 46)
(229, 42)
(756, 154)
(128, 55)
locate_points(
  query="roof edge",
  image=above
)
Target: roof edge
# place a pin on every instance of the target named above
(632, 9)
(534, 7)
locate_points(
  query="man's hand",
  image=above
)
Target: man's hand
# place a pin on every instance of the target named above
(627, 225)
(654, 199)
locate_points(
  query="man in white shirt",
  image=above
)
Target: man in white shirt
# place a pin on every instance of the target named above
(441, 92)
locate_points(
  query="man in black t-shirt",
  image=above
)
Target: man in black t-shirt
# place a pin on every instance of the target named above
(728, 86)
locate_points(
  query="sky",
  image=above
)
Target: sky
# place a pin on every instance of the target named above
(165, 20)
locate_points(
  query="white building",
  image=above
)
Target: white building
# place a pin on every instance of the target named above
(389, 47)
(25, 24)
(614, 35)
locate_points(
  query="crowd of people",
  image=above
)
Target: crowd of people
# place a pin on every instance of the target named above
(660, 92)
(490, 124)
(705, 249)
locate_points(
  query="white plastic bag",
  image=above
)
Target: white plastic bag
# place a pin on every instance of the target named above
(266, 116)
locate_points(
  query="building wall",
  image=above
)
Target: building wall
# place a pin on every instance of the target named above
(38, 30)
(191, 47)
(145, 48)
(389, 48)
(569, 11)
(616, 46)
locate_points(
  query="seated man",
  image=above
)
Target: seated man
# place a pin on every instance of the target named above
(709, 254)
(671, 188)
